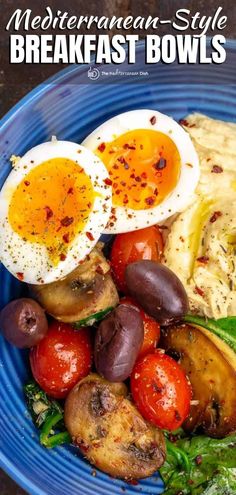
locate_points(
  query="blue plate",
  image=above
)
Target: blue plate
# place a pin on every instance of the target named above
(70, 106)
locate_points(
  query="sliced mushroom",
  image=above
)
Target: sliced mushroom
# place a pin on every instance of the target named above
(211, 367)
(110, 432)
(86, 291)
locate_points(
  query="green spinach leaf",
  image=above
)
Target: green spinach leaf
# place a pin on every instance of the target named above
(47, 415)
(225, 328)
(211, 462)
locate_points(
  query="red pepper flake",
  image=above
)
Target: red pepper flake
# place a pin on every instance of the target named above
(125, 200)
(99, 270)
(101, 147)
(143, 184)
(198, 460)
(199, 291)
(153, 120)
(70, 190)
(132, 176)
(160, 164)
(121, 159)
(149, 201)
(144, 175)
(215, 215)
(66, 221)
(118, 191)
(123, 183)
(177, 416)
(116, 167)
(84, 447)
(27, 183)
(203, 259)
(132, 482)
(66, 238)
(173, 439)
(128, 146)
(156, 191)
(184, 122)
(108, 182)
(138, 179)
(216, 169)
(89, 236)
(20, 276)
(89, 205)
(156, 388)
(62, 257)
(49, 212)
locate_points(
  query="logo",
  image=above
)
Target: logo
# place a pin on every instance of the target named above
(93, 73)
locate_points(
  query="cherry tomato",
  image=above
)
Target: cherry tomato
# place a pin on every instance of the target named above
(144, 244)
(151, 328)
(161, 390)
(61, 359)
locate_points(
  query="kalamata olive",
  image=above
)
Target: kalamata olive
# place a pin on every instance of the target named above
(158, 290)
(23, 322)
(118, 341)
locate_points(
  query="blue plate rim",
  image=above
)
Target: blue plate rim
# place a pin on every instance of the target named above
(17, 476)
(58, 77)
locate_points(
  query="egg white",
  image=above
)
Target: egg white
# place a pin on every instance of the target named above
(32, 259)
(127, 219)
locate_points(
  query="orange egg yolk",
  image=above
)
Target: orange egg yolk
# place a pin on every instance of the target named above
(51, 205)
(144, 167)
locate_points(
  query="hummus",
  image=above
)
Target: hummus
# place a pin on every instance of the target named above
(201, 245)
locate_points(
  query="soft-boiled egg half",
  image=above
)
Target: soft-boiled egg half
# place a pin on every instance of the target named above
(54, 206)
(152, 164)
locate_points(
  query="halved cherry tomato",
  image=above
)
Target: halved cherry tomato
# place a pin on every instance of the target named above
(61, 359)
(151, 328)
(161, 390)
(144, 244)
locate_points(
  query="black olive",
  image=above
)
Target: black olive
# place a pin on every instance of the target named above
(118, 341)
(158, 290)
(23, 322)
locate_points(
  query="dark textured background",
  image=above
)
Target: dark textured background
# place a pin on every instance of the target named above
(17, 80)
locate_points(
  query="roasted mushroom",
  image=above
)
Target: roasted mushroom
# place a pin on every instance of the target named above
(83, 296)
(109, 430)
(211, 367)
